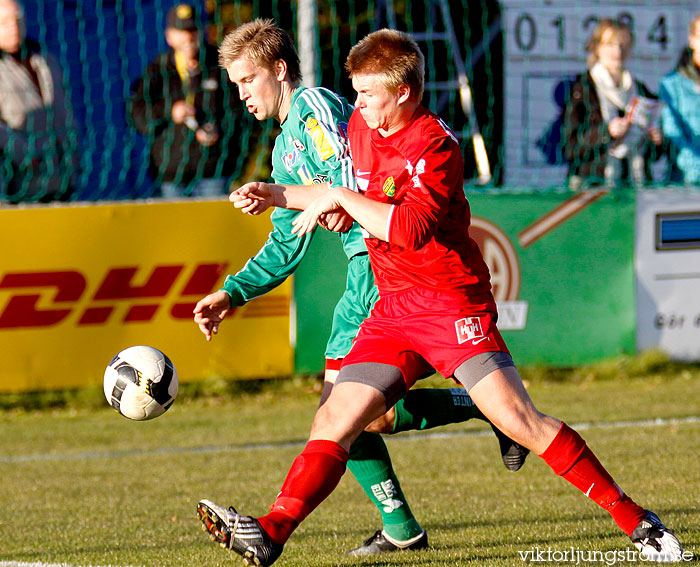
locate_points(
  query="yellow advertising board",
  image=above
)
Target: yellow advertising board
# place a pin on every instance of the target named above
(78, 283)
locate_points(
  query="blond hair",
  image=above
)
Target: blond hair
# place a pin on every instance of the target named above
(618, 28)
(263, 43)
(392, 55)
(694, 26)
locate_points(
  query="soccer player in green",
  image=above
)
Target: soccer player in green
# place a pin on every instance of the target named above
(312, 149)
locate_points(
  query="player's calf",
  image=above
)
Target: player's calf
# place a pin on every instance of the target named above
(432, 407)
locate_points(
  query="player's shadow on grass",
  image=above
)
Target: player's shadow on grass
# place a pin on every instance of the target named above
(520, 538)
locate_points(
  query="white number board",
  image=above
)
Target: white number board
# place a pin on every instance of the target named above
(545, 44)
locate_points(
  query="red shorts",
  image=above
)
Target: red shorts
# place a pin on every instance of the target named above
(416, 329)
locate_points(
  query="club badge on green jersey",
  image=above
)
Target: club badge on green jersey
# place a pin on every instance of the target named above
(290, 159)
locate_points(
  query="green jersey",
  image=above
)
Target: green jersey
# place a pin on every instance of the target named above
(311, 148)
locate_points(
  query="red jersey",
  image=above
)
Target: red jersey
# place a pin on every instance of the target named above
(419, 171)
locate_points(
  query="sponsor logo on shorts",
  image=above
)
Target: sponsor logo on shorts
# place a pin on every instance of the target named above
(469, 329)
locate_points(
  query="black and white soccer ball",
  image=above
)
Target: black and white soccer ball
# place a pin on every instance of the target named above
(140, 383)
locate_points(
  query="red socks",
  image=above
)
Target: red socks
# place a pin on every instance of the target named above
(313, 476)
(318, 469)
(569, 457)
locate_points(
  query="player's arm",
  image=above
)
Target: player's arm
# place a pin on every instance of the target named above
(276, 260)
(210, 311)
(256, 197)
(413, 221)
(372, 215)
(327, 149)
(417, 218)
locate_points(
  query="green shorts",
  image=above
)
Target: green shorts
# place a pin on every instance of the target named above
(353, 308)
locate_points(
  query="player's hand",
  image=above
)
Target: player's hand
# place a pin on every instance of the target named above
(337, 221)
(307, 219)
(210, 311)
(252, 198)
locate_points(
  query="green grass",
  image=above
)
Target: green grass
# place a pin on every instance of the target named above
(84, 486)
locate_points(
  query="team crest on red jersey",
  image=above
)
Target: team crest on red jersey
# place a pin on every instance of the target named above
(389, 187)
(468, 328)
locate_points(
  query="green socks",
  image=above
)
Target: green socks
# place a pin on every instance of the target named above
(371, 465)
(431, 407)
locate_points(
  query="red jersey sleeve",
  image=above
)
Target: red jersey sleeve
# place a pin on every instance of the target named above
(434, 177)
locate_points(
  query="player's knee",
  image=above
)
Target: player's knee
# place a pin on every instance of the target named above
(324, 420)
(347, 411)
(334, 423)
(383, 424)
(520, 423)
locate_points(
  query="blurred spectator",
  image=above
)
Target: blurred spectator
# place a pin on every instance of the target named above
(680, 117)
(610, 129)
(38, 141)
(189, 115)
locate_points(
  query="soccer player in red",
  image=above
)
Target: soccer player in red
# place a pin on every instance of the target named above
(435, 307)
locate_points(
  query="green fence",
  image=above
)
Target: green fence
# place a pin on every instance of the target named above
(513, 60)
(87, 146)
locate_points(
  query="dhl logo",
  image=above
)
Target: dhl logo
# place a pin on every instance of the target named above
(43, 299)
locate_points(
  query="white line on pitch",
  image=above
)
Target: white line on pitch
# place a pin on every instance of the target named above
(577, 426)
(300, 443)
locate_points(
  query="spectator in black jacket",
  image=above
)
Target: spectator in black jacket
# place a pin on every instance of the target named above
(192, 119)
(610, 133)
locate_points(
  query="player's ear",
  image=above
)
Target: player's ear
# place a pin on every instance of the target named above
(280, 69)
(403, 93)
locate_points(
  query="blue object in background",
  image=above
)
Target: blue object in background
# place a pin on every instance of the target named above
(103, 47)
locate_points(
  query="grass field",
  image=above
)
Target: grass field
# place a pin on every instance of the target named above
(87, 487)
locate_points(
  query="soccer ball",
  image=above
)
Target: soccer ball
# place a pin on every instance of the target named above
(140, 383)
